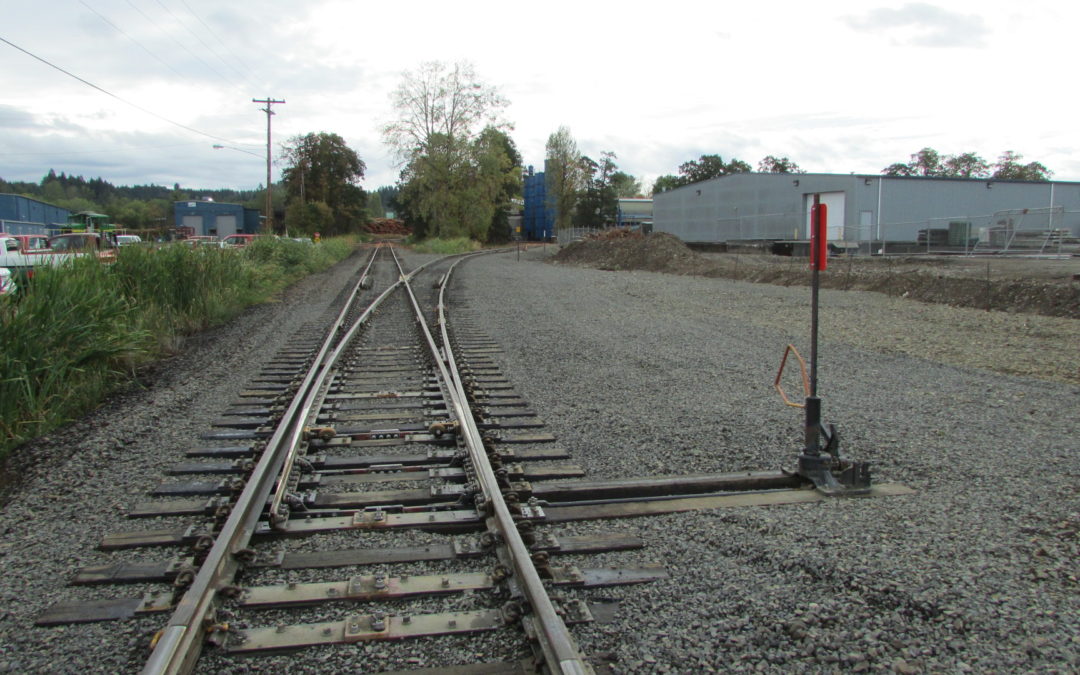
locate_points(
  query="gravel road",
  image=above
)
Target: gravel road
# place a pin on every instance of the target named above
(650, 374)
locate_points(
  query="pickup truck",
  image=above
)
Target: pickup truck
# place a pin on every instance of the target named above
(21, 263)
(28, 243)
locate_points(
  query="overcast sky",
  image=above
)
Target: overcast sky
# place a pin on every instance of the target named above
(837, 86)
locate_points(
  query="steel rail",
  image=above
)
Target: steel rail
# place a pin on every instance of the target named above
(178, 646)
(312, 393)
(561, 652)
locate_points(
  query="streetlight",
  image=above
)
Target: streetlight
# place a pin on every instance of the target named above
(229, 147)
(218, 146)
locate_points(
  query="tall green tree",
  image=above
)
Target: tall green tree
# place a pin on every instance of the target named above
(626, 186)
(965, 165)
(774, 164)
(563, 176)
(461, 188)
(440, 101)
(705, 167)
(598, 202)
(453, 148)
(710, 166)
(506, 178)
(323, 169)
(1010, 167)
(928, 162)
(665, 183)
(375, 208)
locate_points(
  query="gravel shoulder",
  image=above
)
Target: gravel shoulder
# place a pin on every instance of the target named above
(641, 373)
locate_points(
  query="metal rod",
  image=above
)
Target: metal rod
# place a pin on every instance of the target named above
(562, 654)
(813, 403)
(815, 285)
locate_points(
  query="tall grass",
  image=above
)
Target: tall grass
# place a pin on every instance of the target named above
(66, 341)
(78, 331)
(446, 246)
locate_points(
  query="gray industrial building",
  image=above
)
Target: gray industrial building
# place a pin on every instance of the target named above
(872, 212)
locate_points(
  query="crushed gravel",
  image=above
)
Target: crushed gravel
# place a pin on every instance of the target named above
(643, 373)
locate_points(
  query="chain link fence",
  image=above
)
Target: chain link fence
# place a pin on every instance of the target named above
(569, 235)
(1047, 231)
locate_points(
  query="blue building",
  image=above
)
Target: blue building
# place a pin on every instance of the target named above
(215, 219)
(538, 219)
(23, 215)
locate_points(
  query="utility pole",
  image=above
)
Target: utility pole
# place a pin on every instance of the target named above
(269, 204)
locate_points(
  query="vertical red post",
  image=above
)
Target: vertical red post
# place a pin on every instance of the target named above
(819, 240)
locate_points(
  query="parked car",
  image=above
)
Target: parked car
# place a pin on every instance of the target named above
(128, 239)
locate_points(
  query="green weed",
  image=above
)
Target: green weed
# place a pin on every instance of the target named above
(78, 331)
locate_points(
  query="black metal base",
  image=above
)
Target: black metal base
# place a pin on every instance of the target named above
(835, 476)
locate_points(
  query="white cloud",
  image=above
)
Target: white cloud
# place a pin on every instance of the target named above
(835, 85)
(919, 24)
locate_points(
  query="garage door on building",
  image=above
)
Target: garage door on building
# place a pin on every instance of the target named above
(226, 225)
(834, 202)
(195, 223)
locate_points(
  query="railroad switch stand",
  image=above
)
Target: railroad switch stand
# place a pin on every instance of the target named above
(821, 463)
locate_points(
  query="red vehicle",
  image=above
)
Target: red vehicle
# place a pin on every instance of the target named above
(28, 243)
(102, 243)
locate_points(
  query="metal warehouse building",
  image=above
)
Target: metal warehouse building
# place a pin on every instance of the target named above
(23, 215)
(215, 219)
(874, 212)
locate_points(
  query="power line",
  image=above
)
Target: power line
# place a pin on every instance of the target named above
(210, 30)
(109, 93)
(140, 45)
(201, 41)
(98, 152)
(182, 45)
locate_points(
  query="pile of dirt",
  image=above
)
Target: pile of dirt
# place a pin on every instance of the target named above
(657, 252)
(614, 233)
(936, 280)
(388, 226)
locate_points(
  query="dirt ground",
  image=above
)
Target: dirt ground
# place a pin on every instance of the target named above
(1050, 287)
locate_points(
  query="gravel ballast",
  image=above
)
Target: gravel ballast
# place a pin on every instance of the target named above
(641, 373)
(651, 374)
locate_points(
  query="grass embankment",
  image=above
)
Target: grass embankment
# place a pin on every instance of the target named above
(445, 246)
(81, 330)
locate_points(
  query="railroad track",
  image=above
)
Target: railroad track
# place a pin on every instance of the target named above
(381, 481)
